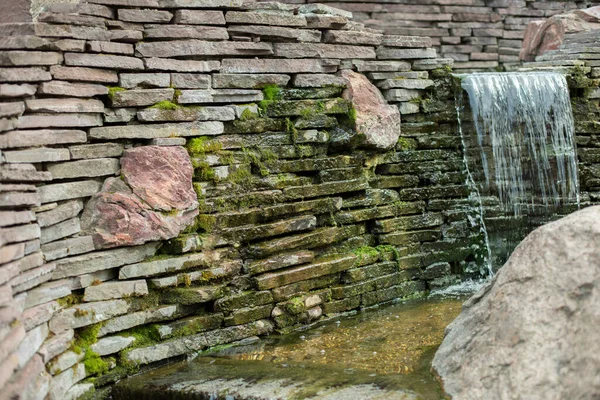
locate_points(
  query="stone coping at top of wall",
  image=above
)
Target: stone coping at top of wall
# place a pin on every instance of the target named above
(476, 34)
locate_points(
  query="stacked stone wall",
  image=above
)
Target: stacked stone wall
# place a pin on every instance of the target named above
(183, 174)
(477, 34)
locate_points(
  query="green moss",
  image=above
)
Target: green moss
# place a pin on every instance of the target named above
(271, 92)
(166, 105)
(94, 364)
(248, 115)
(406, 144)
(176, 95)
(114, 89)
(389, 249)
(204, 172)
(295, 306)
(203, 145)
(366, 252)
(145, 335)
(69, 300)
(206, 222)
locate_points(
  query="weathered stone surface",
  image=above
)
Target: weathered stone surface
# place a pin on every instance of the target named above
(318, 80)
(155, 201)
(65, 380)
(320, 267)
(24, 75)
(131, 320)
(68, 247)
(116, 115)
(276, 33)
(99, 150)
(497, 348)
(111, 344)
(23, 173)
(158, 80)
(56, 345)
(376, 121)
(84, 168)
(148, 16)
(225, 113)
(186, 32)
(191, 81)
(115, 290)
(47, 292)
(162, 64)
(197, 342)
(87, 314)
(406, 41)
(142, 97)
(406, 83)
(353, 37)
(61, 88)
(220, 96)
(543, 36)
(60, 230)
(103, 61)
(74, 120)
(267, 66)
(201, 48)
(320, 50)
(83, 74)
(23, 90)
(322, 9)
(41, 154)
(11, 109)
(258, 18)
(243, 81)
(157, 130)
(202, 3)
(65, 105)
(110, 47)
(99, 261)
(281, 261)
(158, 267)
(199, 17)
(27, 58)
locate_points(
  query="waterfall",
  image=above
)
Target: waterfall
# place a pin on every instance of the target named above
(519, 146)
(525, 119)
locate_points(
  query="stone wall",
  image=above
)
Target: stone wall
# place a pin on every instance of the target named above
(181, 174)
(477, 34)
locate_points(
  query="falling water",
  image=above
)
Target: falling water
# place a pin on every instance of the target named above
(525, 136)
(519, 151)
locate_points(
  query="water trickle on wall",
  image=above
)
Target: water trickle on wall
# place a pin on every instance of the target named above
(520, 147)
(527, 122)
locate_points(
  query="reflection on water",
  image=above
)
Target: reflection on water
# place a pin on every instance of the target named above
(390, 340)
(384, 353)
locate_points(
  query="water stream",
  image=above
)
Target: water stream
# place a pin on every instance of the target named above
(383, 353)
(519, 146)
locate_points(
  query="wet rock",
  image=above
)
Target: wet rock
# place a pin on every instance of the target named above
(532, 332)
(542, 36)
(376, 121)
(154, 201)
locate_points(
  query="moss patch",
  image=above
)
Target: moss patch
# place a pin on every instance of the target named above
(166, 105)
(114, 89)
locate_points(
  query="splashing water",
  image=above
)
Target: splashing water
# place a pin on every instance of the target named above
(525, 135)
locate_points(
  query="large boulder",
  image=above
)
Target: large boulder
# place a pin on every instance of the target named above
(377, 122)
(545, 35)
(534, 331)
(153, 200)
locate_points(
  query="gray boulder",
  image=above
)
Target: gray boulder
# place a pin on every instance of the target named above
(534, 331)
